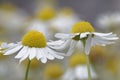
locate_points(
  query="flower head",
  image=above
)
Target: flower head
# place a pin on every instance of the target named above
(81, 27)
(53, 71)
(77, 59)
(83, 32)
(33, 45)
(46, 13)
(34, 39)
(64, 20)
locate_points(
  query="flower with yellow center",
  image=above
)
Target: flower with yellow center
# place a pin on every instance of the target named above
(77, 59)
(53, 71)
(46, 13)
(64, 20)
(84, 33)
(78, 68)
(33, 45)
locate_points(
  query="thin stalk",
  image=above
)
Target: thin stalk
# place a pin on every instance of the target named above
(27, 70)
(88, 67)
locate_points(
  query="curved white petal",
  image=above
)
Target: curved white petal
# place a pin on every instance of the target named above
(58, 42)
(13, 50)
(88, 45)
(53, 53)
(64, 45)
(32, 54)
(22, 52)
(72, 47)
(102, 34)
(64, 36)
(48, 55)
(25, 55)
(98, 40)
(43, 58)
(39, 54)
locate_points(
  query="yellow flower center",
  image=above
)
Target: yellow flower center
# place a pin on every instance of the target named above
(46, 13)
(81, 27)
(34, 39)
(53, 71)
(77, 59)
(67, 11)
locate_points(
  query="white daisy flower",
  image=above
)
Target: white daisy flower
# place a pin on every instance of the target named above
(106, 21)
(33, 45)
(82, 32)
(79, 73)
(64, 21)
(13, 20)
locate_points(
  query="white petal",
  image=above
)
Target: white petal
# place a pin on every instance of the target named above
(98, 40)
(13, 50)
(62, 46)
(22, 52)
(88, 45)
(64, 36)
(43, 58)
(32, 53)
(72, 47)
(48, 55)
(25, 55)
(102, 34)
(39, 54)
(83, 35)
(58, 42)
(53, 53)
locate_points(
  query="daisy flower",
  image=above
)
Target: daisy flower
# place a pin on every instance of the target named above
(78, 68)
(53, 71)
(64, 20)
(82, 32)
(33, 45)
(108, 21)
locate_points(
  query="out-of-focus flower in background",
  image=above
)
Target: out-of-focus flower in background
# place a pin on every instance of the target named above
(78, 68)
(109, 21)
(53, 71)
(64, 20)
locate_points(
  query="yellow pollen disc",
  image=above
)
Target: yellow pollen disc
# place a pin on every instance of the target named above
(46, 13)
(67, 11)
(53, 71)
(81, 27)
(77, 59)
(34, 39)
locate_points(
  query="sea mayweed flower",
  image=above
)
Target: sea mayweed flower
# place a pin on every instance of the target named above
(33, 45)
(85, 33)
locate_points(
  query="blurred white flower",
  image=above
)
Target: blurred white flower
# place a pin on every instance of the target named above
(63, 23)
(106, 21)
(79, 72)
(12, 20)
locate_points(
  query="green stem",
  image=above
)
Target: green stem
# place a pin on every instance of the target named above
(88, 67)
(27, 70)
